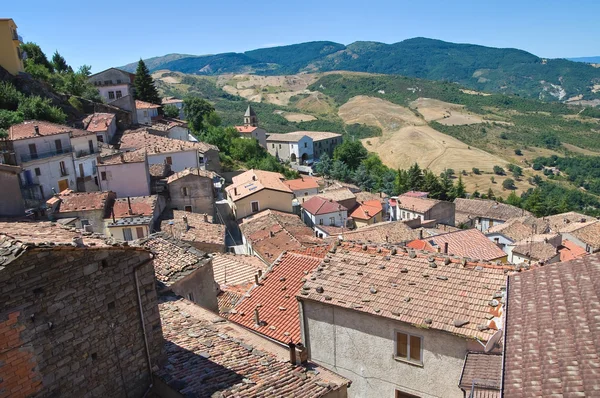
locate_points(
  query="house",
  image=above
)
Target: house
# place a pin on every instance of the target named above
(323, 142)
(74, 304)
(146, 112)
(566, 222)
(11, 199)
(366, 213)
(409, 207)
(516, 229)
(481, 375)
(542, 249)
(257, 190)
(193, 190)
(250, 128)
(158, 177)
(126, 174)
(235, 274)
(319, 211)
(303, 186)
(371, 313)
(270, 308)
(11, 55)
(468, 243)
(198, 230)
(178, 154)
(104, 125)
(113, 84)
(570, 251)
(343, 196)
(206, 355)
(176, 102)
(382, 198)
(270, 233)
(134, 217)
(386, 232)
(182, 269)
(84, 210)
(85, 157)
(484, 214)
(552, 331)
(171, 128)
(587, 236)
(292, 148)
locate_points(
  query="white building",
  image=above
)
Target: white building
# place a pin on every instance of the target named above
(126, 174)
(85, 155)
(170, 128)
(176, 102)
(146, 112)
(291, 148)
(104, 125)
(320, 211)
(113, 83)
(134, 217)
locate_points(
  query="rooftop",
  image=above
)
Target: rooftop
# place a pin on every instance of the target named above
(155, 144)
(174, 260)
(470, 243)
(82, 201)
(288, 137)
(167, 123)
(536, 247)
(366, 210)
(488, 209)
(483, 373)
(567, 221)
(192, 171)
(570, 251)
(197, 229)
(159, 170)
(171, 100)
(26, 130)
(318, 205)
(236, 269)
(140, 206)
(392, 232)
(417, 204)
(519, 228)
(98, 122)
(250, 111)
(145, 105)
(138, 156)
(365, 196)
(589, 234)
(253, 181)
(302, 183)
(552, 343)
(441, 294)
(275, 299)
(245, 129)
(317, 135)
(336, 195)
(272, 232)
(207, 356)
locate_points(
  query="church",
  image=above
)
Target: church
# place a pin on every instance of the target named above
(250, 128)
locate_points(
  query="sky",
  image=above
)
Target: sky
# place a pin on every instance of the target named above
(114, 33)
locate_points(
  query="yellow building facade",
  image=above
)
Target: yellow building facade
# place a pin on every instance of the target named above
(11, 56)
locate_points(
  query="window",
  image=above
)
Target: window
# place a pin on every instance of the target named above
(38, 172)
(139, 232)
(91, 146)
(107, 82)
(63, 168)
(201, 159)
(190, 296)
(187, 208)
(305, 193)
(58, 144)
(332, 221)
(279, 146)
(119, 94)
(118, 81)
(84, 222)
(273, 146)
(409, 348)
(400, 394)
(33, 151)
(306, 145)
(169, 160)
(184, 191)
(491, 223)
(145, 113)
(127, 234)
(100, 138)
(103, 175)
(255, 207)
(320, 221)
(111, 95)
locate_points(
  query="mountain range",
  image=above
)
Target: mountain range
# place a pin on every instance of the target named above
(504, 70)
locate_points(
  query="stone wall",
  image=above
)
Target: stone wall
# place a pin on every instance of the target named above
(200, 194)
(70, 323)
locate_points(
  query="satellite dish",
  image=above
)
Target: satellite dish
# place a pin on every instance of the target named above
(491, 344)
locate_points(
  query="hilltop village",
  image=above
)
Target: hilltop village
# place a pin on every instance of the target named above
(133, 263)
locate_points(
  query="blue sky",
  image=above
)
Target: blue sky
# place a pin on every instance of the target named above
(113, 33)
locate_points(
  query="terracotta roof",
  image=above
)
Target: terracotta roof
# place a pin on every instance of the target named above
(318, 205)
(82, 201)
(155, 144)
(366, 210)
(589, 234)
(209, 357)
(415, 194)
(470, 243)
(145, 105)
(316, 135)
(569, 220)
(98, 122)
(419, 205)
(171, 100)
(332, 230)
(174, 260)
(367, 196)
(393, 232)
(284, 137)
(199, 231)
(335, 185)
(253, 181)
(483, 372)
(159, 170)
(194, 171)
(552, 343)
(275, 299)
(272, 232)
(140, 206)
(570, 251)
(420, 245)
(453, 298)
(124, 157)
(27, 130)
(488, 209)
(167, 123)
(232, 269)
(519, 228)
(302, 183)
(226, 300)
(245, 129)
(336, 195)
(536, 247)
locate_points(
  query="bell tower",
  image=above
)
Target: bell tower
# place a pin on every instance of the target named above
(250, 118)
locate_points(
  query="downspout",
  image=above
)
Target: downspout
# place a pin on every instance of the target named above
(504, 337)
(139, 299)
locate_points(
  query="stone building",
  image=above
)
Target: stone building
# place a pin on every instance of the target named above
(11, 199)
(198, 230)
(412, 208)
(78, 317)
(84, 210)
(250, 128)
(192, 190)
(484, 214)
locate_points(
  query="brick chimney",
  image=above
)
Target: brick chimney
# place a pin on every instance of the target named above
(36, 130)
(256, 317)
(185, 222)
(205, 217)
(292, 347)
(445, 247)
(129, 210)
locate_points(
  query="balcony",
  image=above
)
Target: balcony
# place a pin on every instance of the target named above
(48, 154)
(81, 154)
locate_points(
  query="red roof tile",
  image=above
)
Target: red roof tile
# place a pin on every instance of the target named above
(81, 201)
(275, 299)
(245, 129)
(318, 205)
(140, 206)
(570, 251)
(302, 183)
(552, 346)
(483, 373)
(416, 203)
(392, 232)
(197, 230)
(145, 105)
(99, 122)
(469, 243)
(27, 130)
(231, 269)
(253, 181)
(154, 144)
(366, 210)
(420, 245)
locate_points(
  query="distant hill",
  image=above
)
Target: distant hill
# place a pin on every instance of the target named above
(155, 63)
(589, 60)
(504, 70)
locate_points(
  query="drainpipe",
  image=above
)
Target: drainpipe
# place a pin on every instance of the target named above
(139, 299)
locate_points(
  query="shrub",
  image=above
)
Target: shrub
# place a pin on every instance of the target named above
(476, 171)
(8, 118)
(509, 183)
(36, 107)
(75, 103)
(9, 96)
(498, 170)
(518, 152)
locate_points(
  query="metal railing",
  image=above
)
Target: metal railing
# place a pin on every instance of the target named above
(47, 154)
(80, 154)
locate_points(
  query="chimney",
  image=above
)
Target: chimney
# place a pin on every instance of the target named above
(292, 352)
(185, 222)
(36, 129)
(256, 279)
(259, 273)
(271, 234)
(129, 211)
(445, 247)
(205, 217)
(256, 317)
(420, 233)
(235, 191)
(303, 352)
(112, 211)
(253, 178)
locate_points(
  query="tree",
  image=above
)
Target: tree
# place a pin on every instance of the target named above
(447, 187)
(144, 85)
(323, 167)
(35, 56)
(476, 171)
(490, 194)
(388, 182)
(60, 64)
(363, 178)
(195, 110)
(537, 180)
(431, 184)
(517, 172)
(535, 203)
(245, 150)
(402, 182)
(352, 153)
(415, 178)
(171, 110)
(537, 166)
(509, 183)
(475, 194)
(513, 199)
(518, 152)
(498, 170)
(459, 189)
(340, 171)
(449, 172)
(492, 179)
(213, 119)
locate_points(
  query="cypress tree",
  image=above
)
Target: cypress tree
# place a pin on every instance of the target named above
(144, 85)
